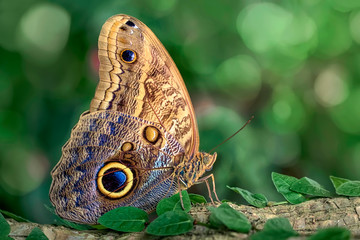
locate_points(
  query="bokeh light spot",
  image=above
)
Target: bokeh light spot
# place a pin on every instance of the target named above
(43, 32)
(333, 35)
(285, 113)
(346, 115)
(282, 110)
(330, 87)
(345, 5)
(262, 25)
(283, 38)
(240, 76)
(31, 168)
(354, 26)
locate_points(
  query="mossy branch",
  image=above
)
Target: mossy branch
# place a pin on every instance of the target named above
(306, 218)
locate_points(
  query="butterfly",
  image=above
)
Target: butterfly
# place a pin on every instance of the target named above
(139, 142)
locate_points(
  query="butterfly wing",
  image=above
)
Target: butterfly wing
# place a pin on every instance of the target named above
(149, 86)
(98, 141)
(141, 118)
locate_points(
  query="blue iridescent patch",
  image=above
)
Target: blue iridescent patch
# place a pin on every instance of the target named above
(113, 180)
(90, 156)
(85, 138)
(103, 139)
(113, 128)
(120, 119)
(93, 125)
(128, 55)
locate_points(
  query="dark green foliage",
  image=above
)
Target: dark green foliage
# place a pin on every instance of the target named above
(196, 198)
(276, 229)
(351, 189)
(174, 203)
(36, 234)
(309, 187)
(14, 216)
(256, 200)
(333, 233)
(226, 216)
(125, 219)
(283, 184)
(171, 223)
(346, 187)
(4, 227)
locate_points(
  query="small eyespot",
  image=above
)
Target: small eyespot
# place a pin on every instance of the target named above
(127, 146)
(151, 134)
(115, 180)
(128, 56)
(130, 23)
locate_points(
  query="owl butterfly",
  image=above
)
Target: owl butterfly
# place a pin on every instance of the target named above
(139, 141)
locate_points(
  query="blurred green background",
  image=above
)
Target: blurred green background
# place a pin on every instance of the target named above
(294, 65)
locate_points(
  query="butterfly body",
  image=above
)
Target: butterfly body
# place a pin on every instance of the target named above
(139, 141)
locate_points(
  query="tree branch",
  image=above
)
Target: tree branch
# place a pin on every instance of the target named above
(306, 218)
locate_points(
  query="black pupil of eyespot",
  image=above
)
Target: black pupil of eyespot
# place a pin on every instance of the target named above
(114, 179)
(128, 55)
(130, 23)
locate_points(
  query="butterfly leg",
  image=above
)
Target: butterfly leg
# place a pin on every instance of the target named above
(181, 200)
(205, 179)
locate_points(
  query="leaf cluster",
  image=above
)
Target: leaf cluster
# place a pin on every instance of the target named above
(296, 190)
(174, 219)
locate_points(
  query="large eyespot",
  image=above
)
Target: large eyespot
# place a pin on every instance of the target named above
(128, 56)
(151, 134)
(115, 180)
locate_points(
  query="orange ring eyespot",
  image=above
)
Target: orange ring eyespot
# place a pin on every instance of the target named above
(128, 56)
(115, 180)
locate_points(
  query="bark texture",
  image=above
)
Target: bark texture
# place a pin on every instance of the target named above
(306, 218)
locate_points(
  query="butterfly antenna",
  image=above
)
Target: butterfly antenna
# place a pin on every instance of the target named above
(248, 121)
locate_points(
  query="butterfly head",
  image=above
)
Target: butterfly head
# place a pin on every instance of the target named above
(208, 160)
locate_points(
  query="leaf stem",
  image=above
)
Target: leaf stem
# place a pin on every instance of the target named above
(203, 224)
(270, 203)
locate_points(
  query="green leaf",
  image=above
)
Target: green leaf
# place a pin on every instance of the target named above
(214, 221)
(346, 187)
(231, 218)
(36, 234)
(73, 225)
(125, 219)
(310, 187)
(277, 229)
(171, 223)
(279, 224)
(334, 233)
(256, 200)
(99, 227)
(351, 189)
(196, 198)
(174, 203)
(14, 216)
(4, 227)
(336, 181)
(283, 184)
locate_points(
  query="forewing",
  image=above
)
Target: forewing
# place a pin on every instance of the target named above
(150, 88)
